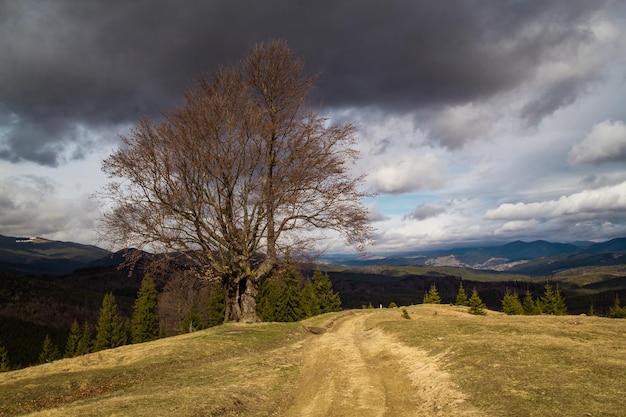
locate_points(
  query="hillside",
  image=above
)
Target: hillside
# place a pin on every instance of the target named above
(442, 361)
(35, 304)
(42, 256)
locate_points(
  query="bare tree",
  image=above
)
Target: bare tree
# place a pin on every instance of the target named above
(242, 172)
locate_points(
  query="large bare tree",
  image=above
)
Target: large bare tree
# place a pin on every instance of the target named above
(241, 172)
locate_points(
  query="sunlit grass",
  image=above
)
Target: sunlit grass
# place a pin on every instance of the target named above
(227, 370)
(506, 365)
(523, 365)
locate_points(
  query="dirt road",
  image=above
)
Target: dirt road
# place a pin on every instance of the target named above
(353, 370)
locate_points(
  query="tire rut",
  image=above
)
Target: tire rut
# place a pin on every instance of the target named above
(356, 371)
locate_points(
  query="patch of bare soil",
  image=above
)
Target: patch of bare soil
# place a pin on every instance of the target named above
(353, 370)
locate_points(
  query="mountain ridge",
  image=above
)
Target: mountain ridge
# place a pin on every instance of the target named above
(507, 257)
(38, 255)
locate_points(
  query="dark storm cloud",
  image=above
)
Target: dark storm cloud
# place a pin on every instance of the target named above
(94, 64)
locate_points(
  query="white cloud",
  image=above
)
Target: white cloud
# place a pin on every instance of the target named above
(605, 142)
(374, 212)
(588, 202)
(517, 226)
(418, 173)
(30, 206)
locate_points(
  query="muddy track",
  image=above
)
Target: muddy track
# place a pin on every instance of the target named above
(353, 370)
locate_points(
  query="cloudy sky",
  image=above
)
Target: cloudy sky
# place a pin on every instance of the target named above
(479, 121)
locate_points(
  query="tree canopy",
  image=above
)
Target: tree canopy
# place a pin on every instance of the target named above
(243, 171)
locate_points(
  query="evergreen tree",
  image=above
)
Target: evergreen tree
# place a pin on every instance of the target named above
(617, 311)
(85, 343)
(310, 300)
(5, 364)
(461, 297)
(393, 305)
(329, 300)
(511, 304)
(592, 311)
(191, 322)
(145, 322)
(529, 305)
(217, 306)
(267, 299)
(73, 341)
(49, 351)
(552, 302)
(289, 303)
(432, 296)
(476, 305)
(110, 332)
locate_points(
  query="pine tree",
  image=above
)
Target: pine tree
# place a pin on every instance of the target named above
(268, 299)
(49, 351)
(110, 332)
(217, 306)
(552, 302)
(511, 304)
(289, 304)
(461, 297)
(145, 322)
(329, 300)
(73, 341)
(529, 305)
(310, 300)
(432, 296)
(592, 311)
(85, 343)
(191, 322)
(476, 305)
(617, 311)
(5, 363)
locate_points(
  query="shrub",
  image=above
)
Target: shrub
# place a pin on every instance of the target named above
(476, 305)
(432, 296)
(461, 297)
(511, 304)
(552, 302)
(49, 352)
(617, 311)
(529, 305)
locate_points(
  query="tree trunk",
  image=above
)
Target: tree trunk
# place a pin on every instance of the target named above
(241, 301)
(248, 302)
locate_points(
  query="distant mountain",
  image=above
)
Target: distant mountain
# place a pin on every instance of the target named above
(614, 245)
(38, 255)
(518, 250)
(537, 257)
(42, 256)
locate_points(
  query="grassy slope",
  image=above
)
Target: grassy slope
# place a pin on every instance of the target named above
(228, 370)
(524, 365)
(509, 366)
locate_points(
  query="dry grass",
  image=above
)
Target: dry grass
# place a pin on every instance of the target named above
(506, 366)
(523, 365)
(228, 370)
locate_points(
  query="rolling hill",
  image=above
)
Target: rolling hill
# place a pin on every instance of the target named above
(45, 285)
(42, 256)
(439, 361)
